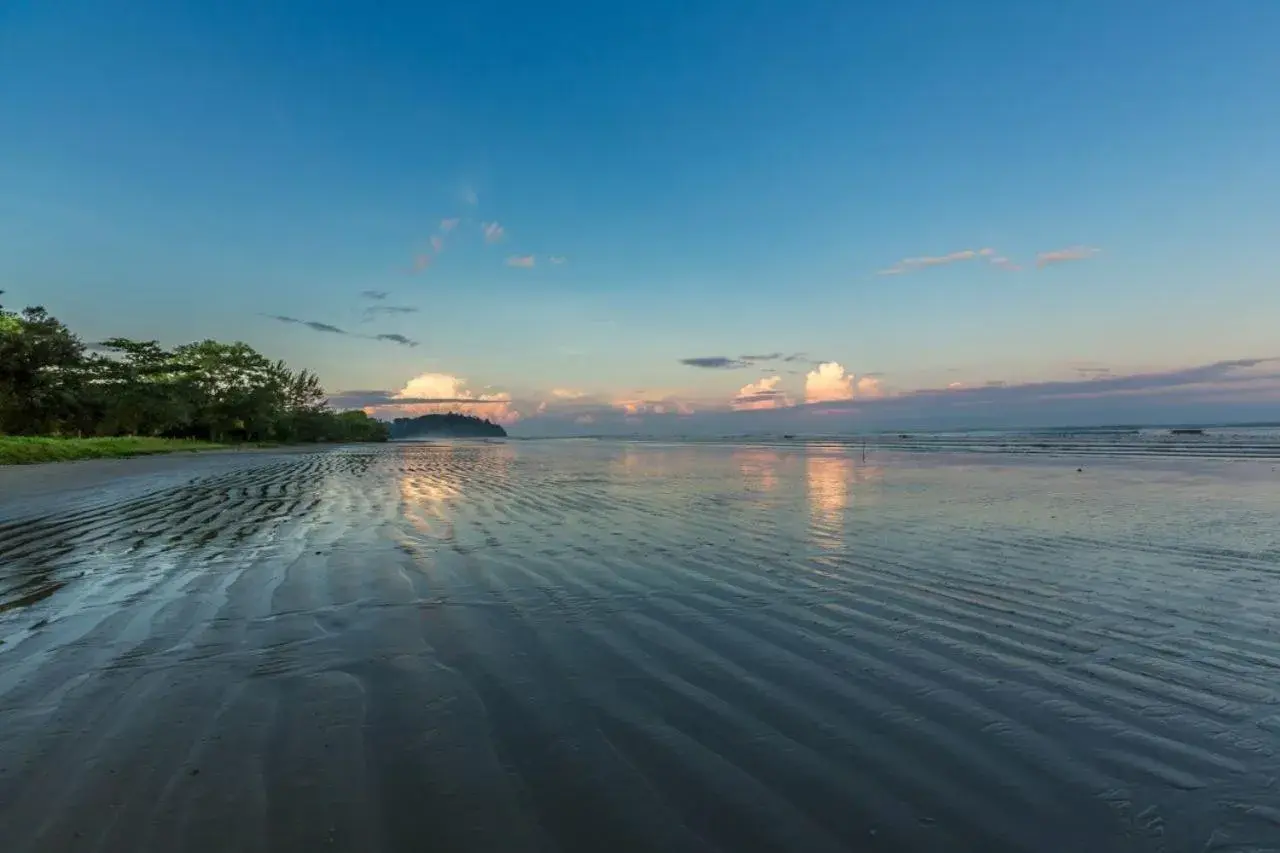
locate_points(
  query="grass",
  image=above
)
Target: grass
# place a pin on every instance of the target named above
(23, 450)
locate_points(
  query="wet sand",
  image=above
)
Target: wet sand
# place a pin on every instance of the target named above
(587, 646)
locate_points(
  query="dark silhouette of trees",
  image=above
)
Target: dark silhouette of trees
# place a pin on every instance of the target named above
(51, 384)
(450, 424)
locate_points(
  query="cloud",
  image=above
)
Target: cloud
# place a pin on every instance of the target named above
(724, 362)
(493, 232)
(567, 393)
(374, 294)
(391, 309)
(430, 393)
(556, 259)
(828, 382)
(437, 243)
(469, 197)
(1239, 390)
(907, 265)
(447, 225)
(421, 262)
(334, 330)
(715, 362)
(1061, 256)
(524, 261)
(310, 324)
(396, 339)
(762, 394)
(1003, 262)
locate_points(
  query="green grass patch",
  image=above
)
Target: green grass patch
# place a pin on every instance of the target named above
(24, 450)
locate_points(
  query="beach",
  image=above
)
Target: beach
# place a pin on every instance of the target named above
(583, 645)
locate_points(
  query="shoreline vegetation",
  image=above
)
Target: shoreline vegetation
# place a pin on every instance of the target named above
(62, 399)
(32, 450)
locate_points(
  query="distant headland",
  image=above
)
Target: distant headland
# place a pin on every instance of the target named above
(446, 426)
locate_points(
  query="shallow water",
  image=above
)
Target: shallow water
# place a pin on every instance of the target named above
(581, 645)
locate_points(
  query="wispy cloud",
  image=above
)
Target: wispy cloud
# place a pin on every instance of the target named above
(374, 294)
(421, 262)
(447, 225)
(520, 261)
(715, 362)
(1062, 256)
(1003, 263)
(310, 324)
(567, 393)
(391, 309)
(469, 197)
(330, 329)
(556, 259)
(493, 232)
(724, 362)
(396, 339)
(907, 265)
(437, 243)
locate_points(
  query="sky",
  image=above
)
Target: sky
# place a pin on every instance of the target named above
(668, 217)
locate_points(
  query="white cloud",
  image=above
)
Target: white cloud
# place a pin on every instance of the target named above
(469, 197)
(762, 394)
(1060, 256)
(557, 259)
(567, 393)
(447, 225)
(829, 382)
(493, 232)
(437, 242)
(525, 261)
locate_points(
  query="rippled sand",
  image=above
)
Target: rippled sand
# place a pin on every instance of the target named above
(589, 646)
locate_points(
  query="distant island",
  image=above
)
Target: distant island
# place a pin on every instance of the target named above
(446, 426)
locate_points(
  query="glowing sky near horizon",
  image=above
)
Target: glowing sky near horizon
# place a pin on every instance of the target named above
(667, 216)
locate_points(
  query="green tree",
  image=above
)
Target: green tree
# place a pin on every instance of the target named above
(40, 362)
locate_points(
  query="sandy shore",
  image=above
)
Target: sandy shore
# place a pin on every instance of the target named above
(591, 647)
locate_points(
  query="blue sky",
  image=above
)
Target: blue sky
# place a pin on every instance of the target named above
(718, 178)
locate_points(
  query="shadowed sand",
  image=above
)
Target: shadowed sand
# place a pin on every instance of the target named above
(587, 646)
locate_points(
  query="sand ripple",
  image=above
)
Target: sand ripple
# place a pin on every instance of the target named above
(595, 646)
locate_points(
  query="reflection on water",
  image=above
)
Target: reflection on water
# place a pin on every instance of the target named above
(827, 478)
(830, 479)
(434, 477)
(759, 467)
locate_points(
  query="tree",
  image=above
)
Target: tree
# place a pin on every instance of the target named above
(207, 389)
(39, 376)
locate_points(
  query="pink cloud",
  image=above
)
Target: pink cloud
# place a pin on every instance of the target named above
(453, 395)
(447, 225)
(907, 265)
(525, 261)
(762, 394)
(437, 242)
(1061, 256)
(421, 262)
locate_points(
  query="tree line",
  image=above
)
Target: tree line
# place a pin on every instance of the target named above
(52, 383)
